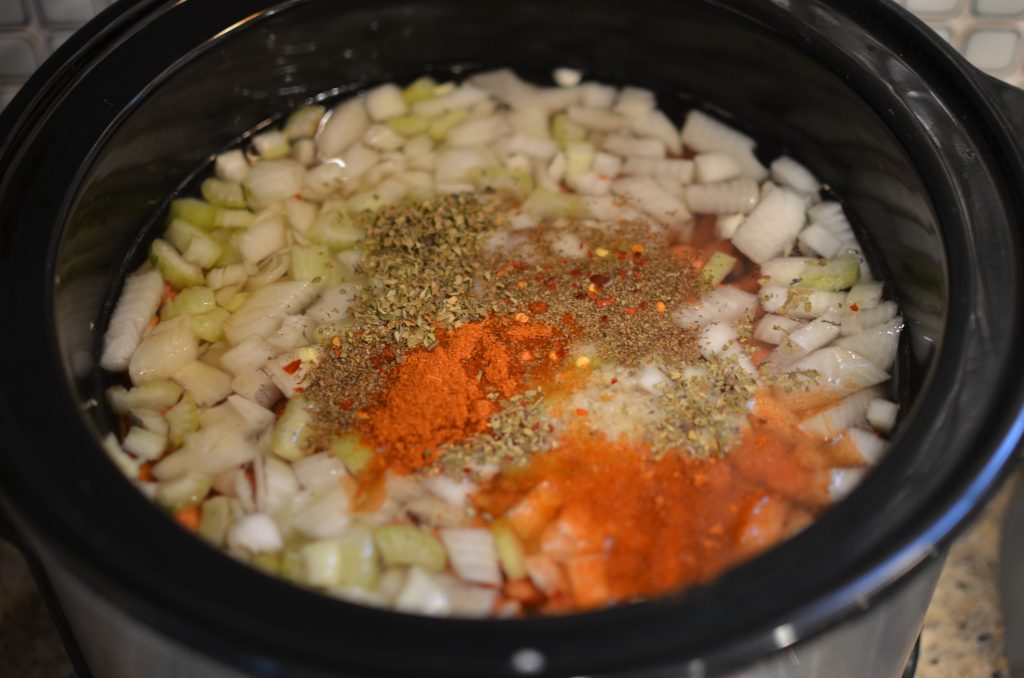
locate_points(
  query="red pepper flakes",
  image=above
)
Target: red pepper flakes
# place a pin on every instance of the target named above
(615, 380)
(537, 307)
(854, 307)
(292, 367)
(580, 412)
(604, 302)
(631, 311)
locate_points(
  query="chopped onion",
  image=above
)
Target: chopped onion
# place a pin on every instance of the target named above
(772, 226)
(345, 124)
(138, 302)
(472, 554)
(256, 533)
(170, 346)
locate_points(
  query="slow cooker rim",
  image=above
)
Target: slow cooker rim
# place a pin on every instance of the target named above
(982, 483)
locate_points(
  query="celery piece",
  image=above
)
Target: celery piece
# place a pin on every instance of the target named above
(213, 525)
(269, 562)
(564, 131)
(236, 301)
(225, 294)
(360, 562)
(223, 193)
(182, 418)
(303, 123)
(322, 563)
(293, 566)
(144, 444)
(310, 262)
(335, 230)
(545, 204)
(271, 145)
(209, 326)
(182, 492)
(189, 301)
(290, 438)
(173, 267)
(503, 180)
(440, 127)
(717, 268)
(234, 218)
(194, 211)
(831, 275)
(353, 453)
(579, 157)
(151, 395)
(420, 89)
(196, 245)
(510, 550)
(408, 125)
(409, 545)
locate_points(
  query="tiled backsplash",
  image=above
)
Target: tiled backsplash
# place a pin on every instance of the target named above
(988, 32)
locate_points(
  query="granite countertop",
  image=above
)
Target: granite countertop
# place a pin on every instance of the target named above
(962, 632)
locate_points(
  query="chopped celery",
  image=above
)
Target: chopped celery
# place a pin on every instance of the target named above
(290, 439)
(419, 90)
(322, 563)
(185, 491)
(189, 301)
(182, 418)
(546, 204)
(223, 193)
(335, 230)
(271, 145)
(303, 123)
(408, 125)
(504, 180)
(510, 550)
(268, 561)
(831, 275)
(579, 157)
(234, 218)
(236, 301)
(310, 262)
(440, 127)
(151, 395)
(209, 326)
(360, 563)
(194, 211)
(293, 567)
(213, 525)
(144, 444)
(173, 267)
(564, 131)
(196, 245)
(717, 268)
(354, 454)
(409, 545)
(223, 295)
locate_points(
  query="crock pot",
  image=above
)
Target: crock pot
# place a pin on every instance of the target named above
(925, 153)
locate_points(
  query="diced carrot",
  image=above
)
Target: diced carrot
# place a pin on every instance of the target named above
(588, 579)
(535, 510)
(523, 591)
(761, 354)
(189, 517)
(688, 253)
(704, 230)
(169, 293)
(146, 472)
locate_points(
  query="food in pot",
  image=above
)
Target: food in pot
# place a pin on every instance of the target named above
(497, 349)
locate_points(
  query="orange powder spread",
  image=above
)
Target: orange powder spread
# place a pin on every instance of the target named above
(640, 527)
(445, 394)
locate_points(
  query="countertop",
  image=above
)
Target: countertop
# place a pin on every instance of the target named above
(962, 636)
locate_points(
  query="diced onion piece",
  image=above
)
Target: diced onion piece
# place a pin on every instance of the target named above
(320, 472)
(264, 309)
(422, 595)
(722, 340)
(346, 123)
(174, 268)
(472, 554)
(258, 387)
(881, 414)
(725, 197)
(190, 301)
(334, 304)
(152, 395)
(206, 384)
(272, 180)
(478, 132)
(256, 533)
(137, 304)
(674, 169)
(656, 124)
(820, 241)
(649, 197)
(291, 437)
(455, 492)
(864, 295)
(322, 562)
(383, 138)
(784, 270)
(703, 133)
(409, 545)
(167, 348)
(788, 172)
(185, 491)
(303, 123)
(862, 319)
(216, 516)
(295, 331)
(650, 378)
(628, 146)
(209, 450)
(841, 370)
(634, 102)
(802, 341)
(125, 463)
(256, 417)
(276, 484)
(772, 226)
(271, 145)
(595, 119)
(773, 329)
(842, 481)
(830, 422)
(144, 444)
(231, 166)
(457, 164)
(878, 344)
(326, 516)
(566, 77)
(723, 304)
(597, 95)
(870, 446)
(464, 96)
(715, 166)
(385, 101)
(545, 204)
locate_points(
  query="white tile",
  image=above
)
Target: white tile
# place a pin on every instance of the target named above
(999, 8)
(933, 6)
(17, 59)
(12, 13)
(66, 11)
(992, 49)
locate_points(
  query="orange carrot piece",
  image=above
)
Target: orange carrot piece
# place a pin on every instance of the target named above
(523, 591)
(704, 230)
(189, 517)
(688, 253)
(535, 510)
(588, 579)
(146, 472)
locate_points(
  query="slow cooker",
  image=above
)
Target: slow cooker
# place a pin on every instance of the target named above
(924, 152)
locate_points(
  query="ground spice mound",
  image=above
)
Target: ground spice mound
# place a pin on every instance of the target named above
(441, 396)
